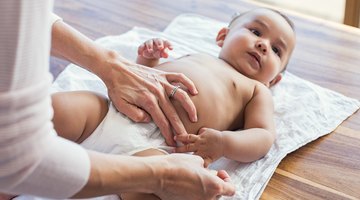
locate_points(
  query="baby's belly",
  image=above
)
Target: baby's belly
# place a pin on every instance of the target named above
(215, 102)
(211, 112)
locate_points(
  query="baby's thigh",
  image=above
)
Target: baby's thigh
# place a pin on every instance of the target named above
(78, 113)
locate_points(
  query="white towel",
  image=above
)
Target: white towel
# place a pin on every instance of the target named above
(303, 111)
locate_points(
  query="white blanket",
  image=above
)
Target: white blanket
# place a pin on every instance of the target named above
(303, 111)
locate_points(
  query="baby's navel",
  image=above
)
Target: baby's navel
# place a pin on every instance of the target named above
(234, 85)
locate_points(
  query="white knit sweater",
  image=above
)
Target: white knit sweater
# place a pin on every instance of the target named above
(33, 160)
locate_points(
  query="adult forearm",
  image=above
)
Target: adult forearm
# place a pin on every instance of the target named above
(70, 44)
(247, 145)
(114, 174)
(172, 177)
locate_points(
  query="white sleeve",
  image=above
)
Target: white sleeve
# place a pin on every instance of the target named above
(54, 18)
(33, 160)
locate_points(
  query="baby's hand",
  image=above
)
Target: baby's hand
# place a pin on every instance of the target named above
(155, 49)
(207, 144)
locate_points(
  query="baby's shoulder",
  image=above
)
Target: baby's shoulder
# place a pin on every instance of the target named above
(261, 86)
(262, 90)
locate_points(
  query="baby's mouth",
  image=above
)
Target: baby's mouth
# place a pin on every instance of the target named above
(256, 59)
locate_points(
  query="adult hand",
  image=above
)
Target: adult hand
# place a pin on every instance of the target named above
(139, 92)
(186, 178)
(207, 144)
(143, 93)
(170, 177)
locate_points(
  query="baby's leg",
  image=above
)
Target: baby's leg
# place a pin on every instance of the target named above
(142, 196)
(78, 113)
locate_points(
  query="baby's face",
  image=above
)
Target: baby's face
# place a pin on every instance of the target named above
(259, 45)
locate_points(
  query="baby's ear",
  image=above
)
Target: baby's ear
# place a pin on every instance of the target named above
(275, 80)
(221, 36)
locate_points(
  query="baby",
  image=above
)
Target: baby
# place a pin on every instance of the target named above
(234, 104)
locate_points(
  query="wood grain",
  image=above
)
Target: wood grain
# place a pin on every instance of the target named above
(327, 54)
(352, 13)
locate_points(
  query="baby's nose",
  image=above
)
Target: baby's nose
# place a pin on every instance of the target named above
(262, 47)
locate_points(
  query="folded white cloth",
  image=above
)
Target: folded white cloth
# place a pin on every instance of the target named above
(303, 111)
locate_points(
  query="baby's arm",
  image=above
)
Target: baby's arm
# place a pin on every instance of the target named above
(258, 135)
(152, 50)
(246, 145)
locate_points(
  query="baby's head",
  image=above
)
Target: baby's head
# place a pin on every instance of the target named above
(258, 44)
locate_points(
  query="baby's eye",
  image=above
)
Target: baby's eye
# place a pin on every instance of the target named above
(276, 51)
(256, 32)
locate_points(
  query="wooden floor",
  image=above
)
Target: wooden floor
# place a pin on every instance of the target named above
(327, 54)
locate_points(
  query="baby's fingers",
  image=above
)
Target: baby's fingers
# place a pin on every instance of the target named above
(186, 148)
(149, 46)
(168, 45)
(141, 49)
(164, 53)
(159, 43)
(186, 138)
(162, 44)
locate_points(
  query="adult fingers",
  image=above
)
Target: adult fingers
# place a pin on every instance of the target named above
(224, 175)
(228, 189)
(183, 98)
(132, 111)
(158, 105)
(181, 78)
(151, 105)
(170, 111)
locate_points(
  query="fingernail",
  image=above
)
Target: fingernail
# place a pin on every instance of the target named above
(194, 119)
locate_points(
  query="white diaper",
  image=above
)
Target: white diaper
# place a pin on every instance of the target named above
(117, 134)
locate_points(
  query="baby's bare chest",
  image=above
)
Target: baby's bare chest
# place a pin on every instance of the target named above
(223, 92)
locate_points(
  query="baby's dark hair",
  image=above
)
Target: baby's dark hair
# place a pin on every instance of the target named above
(287, 19)
(237, 15)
